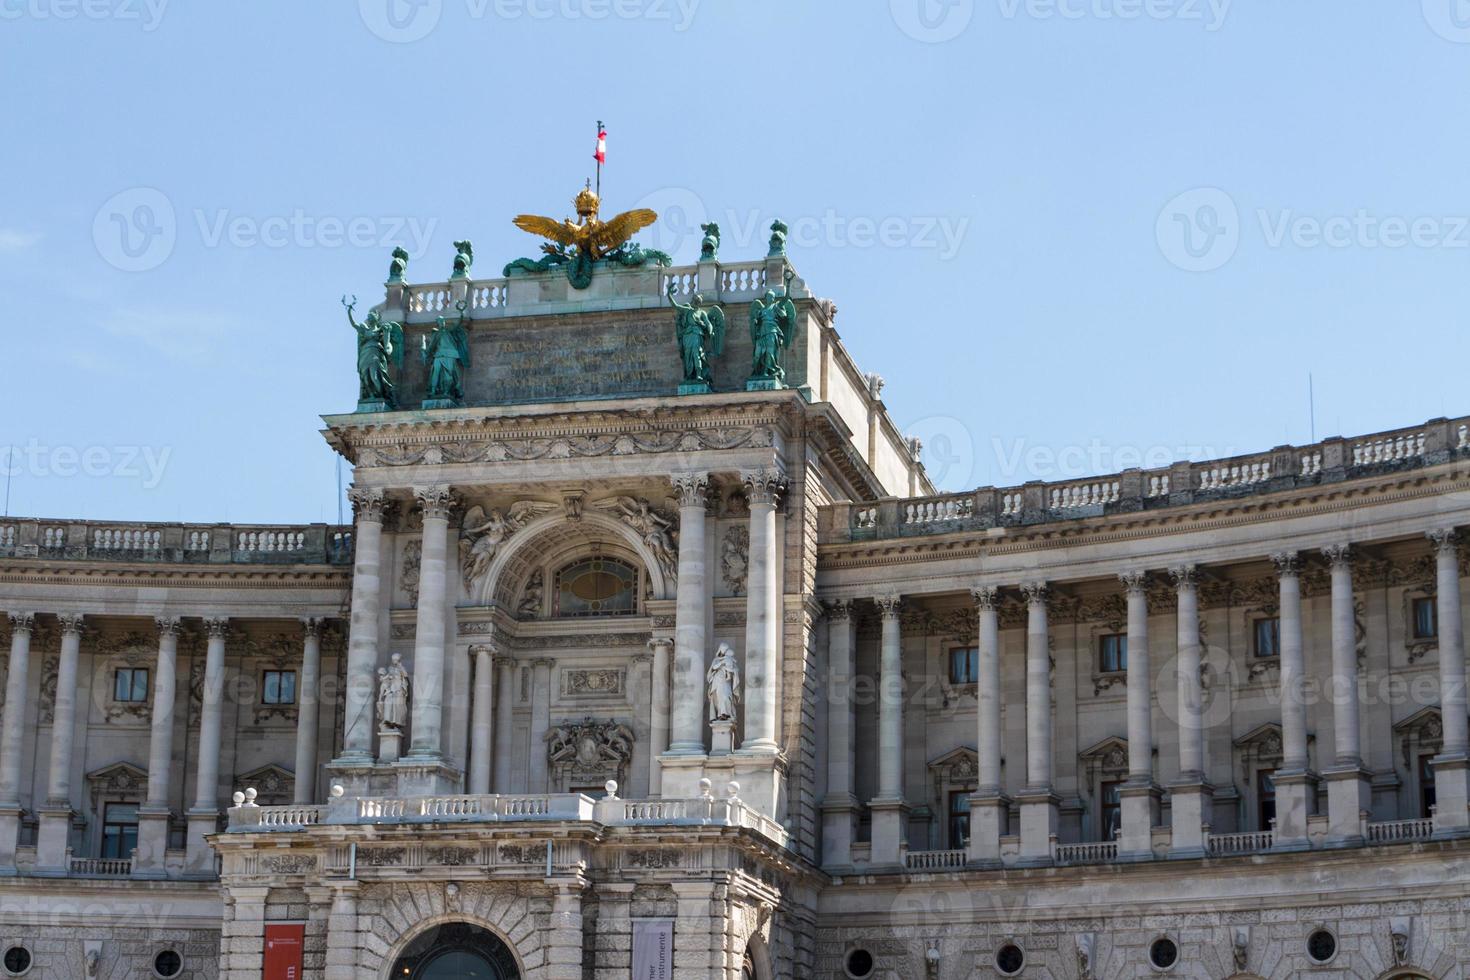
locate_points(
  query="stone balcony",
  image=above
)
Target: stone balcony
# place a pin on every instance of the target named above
(182, 544)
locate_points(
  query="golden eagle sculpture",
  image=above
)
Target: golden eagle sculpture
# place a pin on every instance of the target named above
(579, 245)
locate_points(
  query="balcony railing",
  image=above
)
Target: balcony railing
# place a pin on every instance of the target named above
(1400, 831)
(90, 867)
(1091, 852)
(935, 860)
(191, 544)
(1251, 842)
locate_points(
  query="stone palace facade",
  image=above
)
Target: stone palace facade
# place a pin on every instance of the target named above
(607, 678)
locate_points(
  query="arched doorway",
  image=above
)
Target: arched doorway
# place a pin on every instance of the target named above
(456, 951)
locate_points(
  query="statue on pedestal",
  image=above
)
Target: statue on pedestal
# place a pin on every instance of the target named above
(723, 679)
(697, 326)
(464, 257)
(379, 349)
(709, 245)
(446, 350)
(393, 694)
(398, 268)
(779, 231)
(772, 329)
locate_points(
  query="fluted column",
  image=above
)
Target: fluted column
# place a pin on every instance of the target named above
(839, 806)
(1349, 792)
(1451, 792)
(762, 614)
(504, 725)
(203, 816)
(308, 710)
(989, 805)
(1139, 797)
(1038, 802)
(56, 815)
(658, 711)
(362, 638)
(690, 642)
(1296, 785)
(426, 707)
(482, 718)
(540, 724)
(12, 736)
(153, 815)
(889, 812)
(1190, 796)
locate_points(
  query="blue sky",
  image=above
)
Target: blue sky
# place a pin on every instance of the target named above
(1071, 234)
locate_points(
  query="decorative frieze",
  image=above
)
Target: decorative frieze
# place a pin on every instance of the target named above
(594, 683)
(653, 441)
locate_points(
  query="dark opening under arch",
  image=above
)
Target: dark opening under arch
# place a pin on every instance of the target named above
(456, 951)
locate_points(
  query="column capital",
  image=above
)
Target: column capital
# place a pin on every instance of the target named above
(987, 597)
(642, 658)
(763, 486)
(692, 489)
(1185, 577)
(437, 501)
(486, 648)
(889, 605)
(504, 661)
(1288, 564)
(838, 610)
(1338, 554)
(1135, 581)
(217, 628)
(1445, 540)
(22, 622)
(1035, 593)
(546, 662)
(368, 503)
(168, 626)
(667, 642)
(312, 626)
(71, 622)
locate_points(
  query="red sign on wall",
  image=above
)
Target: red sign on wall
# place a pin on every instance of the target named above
(283, 952)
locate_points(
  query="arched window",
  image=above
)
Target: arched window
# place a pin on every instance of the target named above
(456, 951)
(596, 587)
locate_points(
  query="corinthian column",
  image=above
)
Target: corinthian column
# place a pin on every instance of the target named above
(1038, 802)
(502, 779)
(889, 811)
(1296, 785)
(1139, 797)
(482, 718)
(989, 806)
(204, 814)
(1451, 792)
(687, 737)
(153, 815)
(839, 806)
(308, 700)
(762, 615)
(1348, 787)
(427, 703)
(362, 637)
(1190, 796)
(12, 736)
(56, 815)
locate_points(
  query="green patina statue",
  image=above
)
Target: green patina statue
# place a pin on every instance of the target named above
(779, 231)
(379, 353)
(700, 331)
(399, 266)
(772, 329)
(464, 257)
(446, 351)
(709, 245)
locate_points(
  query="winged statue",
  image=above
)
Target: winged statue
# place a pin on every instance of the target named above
(655, 528)
(483, 532)
(772, 329)
(379, 357)
(581, 243)
(700, 332)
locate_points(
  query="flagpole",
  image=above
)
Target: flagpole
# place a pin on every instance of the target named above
(599, 161)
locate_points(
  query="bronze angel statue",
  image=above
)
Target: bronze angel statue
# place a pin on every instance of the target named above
(700, 331)
(446, 352)
(379, 354)
(772, 329)
(482, 534)
(578, 244)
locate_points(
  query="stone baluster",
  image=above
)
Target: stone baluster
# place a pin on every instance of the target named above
(203, 816)
(482, 718)
(12, 736)
(1190, 796)
(362, 638)
(888, 809)
(1140, 795)
(504, 724)
(1296, 784)
(426, 706)
(153, 815)
(658, 711)
(1451, 792)
(308, 710)
(1038, 803)
(840, 805)
(540, 725)
(56, 815)
(989, 806)
(1349, 791)
(763, 615)
(687, 737)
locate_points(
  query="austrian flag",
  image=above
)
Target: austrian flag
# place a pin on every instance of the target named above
(601, 154)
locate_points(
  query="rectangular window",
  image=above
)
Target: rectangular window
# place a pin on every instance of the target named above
(1112, 652)
(278, 687)
(959, 818)
(119, 830)
(1426, 786)
(1268, 637)
(1426, 618)
(130, 684)
(1265, 798)
(1110, 810)
(964, 665)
